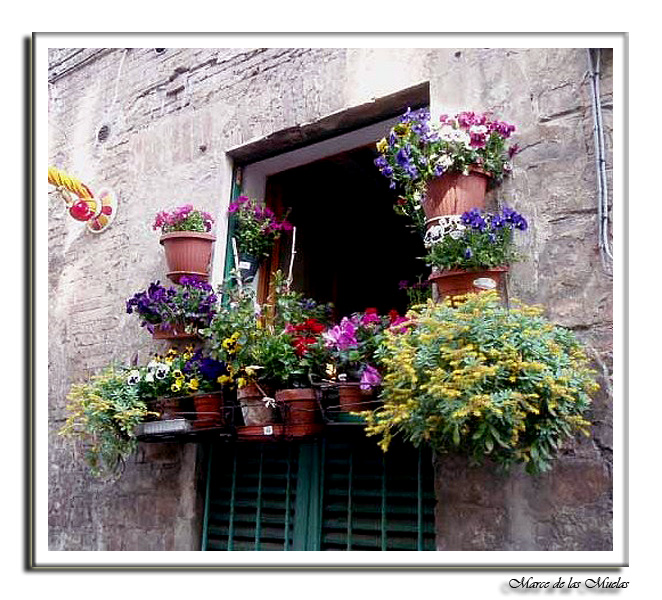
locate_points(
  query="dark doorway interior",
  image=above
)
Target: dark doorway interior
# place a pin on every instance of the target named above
(352, 249)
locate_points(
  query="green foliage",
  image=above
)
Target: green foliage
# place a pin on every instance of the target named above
(483, 380)
(102, 414)
(265, 342)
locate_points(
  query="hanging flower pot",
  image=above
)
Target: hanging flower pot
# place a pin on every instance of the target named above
(254, 410)
(248, 267)
(208, 410)
(454, 193)
(188, 253)
(299, 406)
(458, 282)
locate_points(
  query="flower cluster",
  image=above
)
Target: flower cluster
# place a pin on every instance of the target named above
(177, 373)
(474, 240)
(190, 306)
(183, 218)
(352, 344)
(257, 227)
(483, 379)
(417, 150)
(417, 292)
(272, 343)
(304, 335)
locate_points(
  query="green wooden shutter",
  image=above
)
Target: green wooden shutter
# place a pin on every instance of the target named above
(251, 498)
(326, 495)
(377, 501)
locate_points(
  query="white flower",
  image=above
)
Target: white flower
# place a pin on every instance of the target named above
(445, 161)
(447, 133)
(134, 377)
(149, 377)
(161, 370)
(479, 129)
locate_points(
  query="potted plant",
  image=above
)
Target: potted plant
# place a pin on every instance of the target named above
(174, 312)
(483, 380)
(351, 345)
(103, 414)
(232, 336)
(444, 168)
(471, 252)
(183, 384)
(188, 243)
(256, 231)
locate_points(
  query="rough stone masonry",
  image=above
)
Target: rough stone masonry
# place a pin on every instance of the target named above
(157, 128)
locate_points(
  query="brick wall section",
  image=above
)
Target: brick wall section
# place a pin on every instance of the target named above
(172, 118)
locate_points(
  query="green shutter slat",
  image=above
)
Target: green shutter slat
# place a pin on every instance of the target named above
(419, 502)
(258, 511)
(349, 500)
(288, 500)
(384, 545)
(232, 501)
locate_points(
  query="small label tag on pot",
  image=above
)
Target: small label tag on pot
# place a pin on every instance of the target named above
(268, 430)
(485, 283)
(244, 265)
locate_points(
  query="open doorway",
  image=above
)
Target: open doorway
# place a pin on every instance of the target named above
(352, 249)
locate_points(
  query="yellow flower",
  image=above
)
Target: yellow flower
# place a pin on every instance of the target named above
(175, 387)
(177, 374)
(382, 145)
(193, 385)
(241, 382)
(223, 379)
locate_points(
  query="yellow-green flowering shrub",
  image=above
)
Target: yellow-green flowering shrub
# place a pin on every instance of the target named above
(483, 380)
(102, 414)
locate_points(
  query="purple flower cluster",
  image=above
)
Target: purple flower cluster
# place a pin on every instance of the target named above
(480, 221)
(193, 302)
(207, 368)
(342, 336)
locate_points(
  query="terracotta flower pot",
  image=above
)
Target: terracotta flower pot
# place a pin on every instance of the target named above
(299, 406)
(458, 281)
(455, 193)
(351, 398)
(169, 408)
(188, 253)
(253, 409)
(260, 433)
(208, 410)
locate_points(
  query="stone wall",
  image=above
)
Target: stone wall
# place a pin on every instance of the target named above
(172, 119)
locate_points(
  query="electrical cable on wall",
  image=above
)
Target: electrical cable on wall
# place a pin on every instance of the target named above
(606, 253)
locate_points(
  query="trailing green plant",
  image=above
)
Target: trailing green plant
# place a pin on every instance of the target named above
(103, 413)
(484, 381)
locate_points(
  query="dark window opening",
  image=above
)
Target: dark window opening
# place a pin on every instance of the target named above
(352, 249)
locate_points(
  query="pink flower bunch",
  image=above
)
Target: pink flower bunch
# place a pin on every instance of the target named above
(183, 218)
(370, 377)
(342, 336)
(480, 127)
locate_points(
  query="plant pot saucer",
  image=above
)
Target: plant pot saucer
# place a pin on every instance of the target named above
(175, 276)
